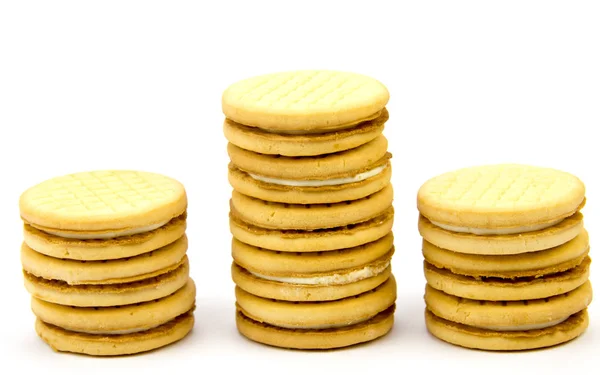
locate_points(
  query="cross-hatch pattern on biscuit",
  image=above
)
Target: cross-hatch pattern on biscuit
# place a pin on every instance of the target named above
(502, 187)
(304, 90)
(101, 192)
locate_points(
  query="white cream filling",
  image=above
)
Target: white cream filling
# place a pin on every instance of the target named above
(106, 235)
(331, 182)
(487, 231)
(335, 279)
(524, 327)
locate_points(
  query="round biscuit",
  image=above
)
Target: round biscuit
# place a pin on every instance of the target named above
(306, 101)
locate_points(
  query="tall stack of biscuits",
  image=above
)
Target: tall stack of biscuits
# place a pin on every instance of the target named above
(311, 211)
(104, 258)
(506, 257)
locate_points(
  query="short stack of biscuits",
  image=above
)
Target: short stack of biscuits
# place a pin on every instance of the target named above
(104, 258)
(311, 211)
(506, 257)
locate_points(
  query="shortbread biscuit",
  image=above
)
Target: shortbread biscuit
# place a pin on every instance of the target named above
(304, 101)
(288, 264)
(322, 276)
(496, 289)
(59, 292)
(103, 204)
(475, 338)
(336, 190)
(500, 199)
(114, 248)
(504, 244)
(309, 217)
(270, 143)
(117, 319)
(117, 271)
(305, 292)
(331, 338)
(520, 315)
(315, 315)
(313, 240)
(557, 259)
(312, 168)
(62, 340)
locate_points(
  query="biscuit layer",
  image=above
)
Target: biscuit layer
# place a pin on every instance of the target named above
(103, 201)
(314, 315)
(309, 217)
(117, 319)
(332, 338)
(311, 101)
(508, 315)
(116, 271)
(59, 292)
(507, 244)
(348, 236)
(558, 259)
(475, 338)
(246, 184)
(115, 248)
(500, 197)
(62, 340)
(304, 292)
(287, 264)
(268, 142)
(341, 164)
(496, 289)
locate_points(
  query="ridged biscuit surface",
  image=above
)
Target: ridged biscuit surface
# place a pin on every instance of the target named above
(500, 196)
(311, 100)
(103, 201)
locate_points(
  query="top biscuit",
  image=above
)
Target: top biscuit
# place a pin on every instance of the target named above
(103, 200)
(500, 197)
(304, 101)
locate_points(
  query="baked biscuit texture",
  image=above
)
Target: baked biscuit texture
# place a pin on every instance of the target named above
(104, 258)
(311, 212)
(507, 257)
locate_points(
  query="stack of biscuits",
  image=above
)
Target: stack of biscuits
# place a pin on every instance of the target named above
(104, 258)
(311, 211)
(506, 257)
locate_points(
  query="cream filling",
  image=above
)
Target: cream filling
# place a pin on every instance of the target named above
(316, 183)
(321, 326)
(524, 327)
(488, 231)
(106, 235)
(118, 332)
(335, 279)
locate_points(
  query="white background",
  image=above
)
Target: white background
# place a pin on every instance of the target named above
(122, 84)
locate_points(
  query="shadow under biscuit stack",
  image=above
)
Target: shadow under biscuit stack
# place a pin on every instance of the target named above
(506, 257)
(311, 209)
(104, 258)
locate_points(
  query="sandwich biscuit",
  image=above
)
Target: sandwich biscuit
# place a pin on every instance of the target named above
(272, 215)
(105, 260)
(321, 276)
(475, 338)
(506, 257)
(330, 178)
(62, 340)
(311, 209)
(290, 240)
(500, 199)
